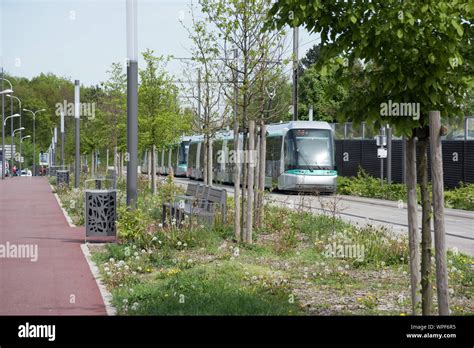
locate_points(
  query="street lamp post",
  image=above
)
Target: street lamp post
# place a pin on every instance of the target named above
(11, 117)
(77, 116)
(55, 140)
(13, 134)
(34, 137)
(3, 92)
(62, 139)
(18, 130)
(21, 142)
(19, 102)
(132, 103)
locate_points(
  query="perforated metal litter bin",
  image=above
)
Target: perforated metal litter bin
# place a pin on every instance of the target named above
(62, 177)
(101, 212)
(51, 171)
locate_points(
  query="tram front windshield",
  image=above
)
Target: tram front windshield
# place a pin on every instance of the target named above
(309, 149)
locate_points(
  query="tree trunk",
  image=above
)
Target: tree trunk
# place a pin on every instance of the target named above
(244, 186)
(250, 183)
(426, 286)
(122, 160)
(210, 176)
(205, 159)
(237, 230)
(261, 177)
(121, 164)
(115, 161)
(92, 164)
(412, 211)
(149, 169)
(153, 169)
(438, 209)
(255, 158)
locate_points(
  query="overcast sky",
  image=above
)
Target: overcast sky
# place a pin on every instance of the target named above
(79, 39)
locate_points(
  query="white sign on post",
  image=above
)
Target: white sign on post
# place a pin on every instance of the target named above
(381, 152)
(44, 159)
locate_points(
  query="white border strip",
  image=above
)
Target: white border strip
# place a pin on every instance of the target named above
(106, 295)
(66, 215)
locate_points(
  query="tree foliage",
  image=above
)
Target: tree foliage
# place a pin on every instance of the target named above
(417, 52)
(160, 121)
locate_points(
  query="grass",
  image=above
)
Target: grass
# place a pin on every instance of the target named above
(223, 288)
(297, 265)
(216, 276)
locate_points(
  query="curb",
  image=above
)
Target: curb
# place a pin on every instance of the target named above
(106, 295)
(66, 215)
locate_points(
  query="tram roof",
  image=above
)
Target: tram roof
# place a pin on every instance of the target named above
(280, 128)
(272, 129)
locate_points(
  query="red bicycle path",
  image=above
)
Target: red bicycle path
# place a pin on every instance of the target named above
(60, 281)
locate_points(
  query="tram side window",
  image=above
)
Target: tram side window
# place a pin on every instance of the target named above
(273, 148)
(289, 152)
(273, 156)
(183, 153)
(192, 155)
(216, 148)
(201, 156)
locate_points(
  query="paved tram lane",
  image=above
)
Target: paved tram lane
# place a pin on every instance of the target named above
(59, 282)
(459, 223)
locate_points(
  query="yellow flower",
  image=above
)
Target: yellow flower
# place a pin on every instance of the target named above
(402, 314)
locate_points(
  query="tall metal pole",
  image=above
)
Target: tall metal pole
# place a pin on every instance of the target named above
(199, 98)
(11, 135)
(237, 226)
(62, 138)
(53, 152)
(3, 130)
(77, 112)
(34, 143)
(19, 101)
(55, 143)
(132, 104)
(34, 137)
(389, 154)
(295, 73)
(382, 132)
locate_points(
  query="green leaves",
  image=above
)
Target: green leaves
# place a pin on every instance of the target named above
(159, 119)
(431, 58)
(455, 61)
(411, 83)
(457, 26)
(411, 52)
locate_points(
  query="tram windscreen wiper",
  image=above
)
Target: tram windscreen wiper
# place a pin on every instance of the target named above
(311, 168)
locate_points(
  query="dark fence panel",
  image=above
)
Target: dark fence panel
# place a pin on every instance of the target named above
(468, 161)
(397, 161)
(458, 160)
(369, 160)
(350, 157)
(453, 162)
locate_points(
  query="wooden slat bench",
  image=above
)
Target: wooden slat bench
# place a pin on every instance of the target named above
(205, 204)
